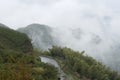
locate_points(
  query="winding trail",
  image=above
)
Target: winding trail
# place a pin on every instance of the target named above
(51, 61)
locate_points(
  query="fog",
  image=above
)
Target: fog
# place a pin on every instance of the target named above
(90, 25)
(61, 13)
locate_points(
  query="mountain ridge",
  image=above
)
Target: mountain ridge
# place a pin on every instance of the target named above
(40, 33)
(44, 37)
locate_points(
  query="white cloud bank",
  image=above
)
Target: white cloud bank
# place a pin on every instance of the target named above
(57, 13)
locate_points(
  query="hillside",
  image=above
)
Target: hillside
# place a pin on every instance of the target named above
(99, 46)
(10, 39)
(79, 66)
(17, 60)
(20, 61)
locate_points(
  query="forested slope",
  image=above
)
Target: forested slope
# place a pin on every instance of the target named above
(17, 60)
(80, 66)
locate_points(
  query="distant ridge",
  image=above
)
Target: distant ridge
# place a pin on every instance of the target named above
(41, 35)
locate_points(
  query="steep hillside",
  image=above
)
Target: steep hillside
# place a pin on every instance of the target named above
(16, 60)
(41, 35)
(78, 66)
(10, 39)
(16, 64)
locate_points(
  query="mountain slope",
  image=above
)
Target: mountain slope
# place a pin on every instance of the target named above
(16, 61)
(78, 66)
(10, 39)
(41, 35)
(99, 46)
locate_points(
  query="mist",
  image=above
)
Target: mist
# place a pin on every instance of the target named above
(90, 25)
(61, 13)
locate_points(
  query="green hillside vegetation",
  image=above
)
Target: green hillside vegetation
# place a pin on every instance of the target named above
(17, 60)
(10, 39)
(80, 66)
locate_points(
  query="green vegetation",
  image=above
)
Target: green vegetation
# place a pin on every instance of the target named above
(17, 60)
(78, 65)
(10, 39)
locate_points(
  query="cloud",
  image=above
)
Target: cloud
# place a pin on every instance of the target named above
(19, 13)
(97, 19)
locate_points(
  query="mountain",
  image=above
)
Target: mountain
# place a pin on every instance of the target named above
(41, 35)
(99, 46)
(18, 60)
(44, 37)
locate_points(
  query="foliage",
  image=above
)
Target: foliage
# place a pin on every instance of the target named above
(10, 39)
(85, 66)
(16, 63)
(20, 66)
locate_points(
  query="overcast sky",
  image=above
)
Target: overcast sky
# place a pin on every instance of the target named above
(99, 17)
(61, 13)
